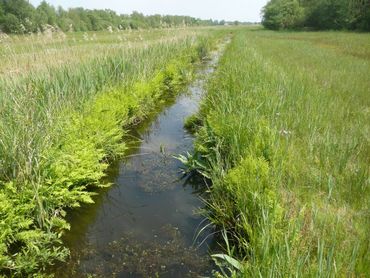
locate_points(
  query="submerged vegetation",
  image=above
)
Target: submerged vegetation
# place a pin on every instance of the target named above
(60, 127)
(283, 134)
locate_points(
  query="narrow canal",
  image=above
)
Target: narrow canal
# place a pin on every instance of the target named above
(146, 223)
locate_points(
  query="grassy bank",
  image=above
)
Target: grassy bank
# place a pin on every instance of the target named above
(60, 127)
(284, 136)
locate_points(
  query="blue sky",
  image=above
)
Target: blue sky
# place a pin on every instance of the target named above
(242, 10)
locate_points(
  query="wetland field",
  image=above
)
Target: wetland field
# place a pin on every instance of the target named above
(202, 151)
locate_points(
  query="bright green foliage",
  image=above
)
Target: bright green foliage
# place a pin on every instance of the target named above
(45, 14)
(249, 191)
(192, 123)
(24, 246)
(283, 14)
(17, 16)
(285, 142)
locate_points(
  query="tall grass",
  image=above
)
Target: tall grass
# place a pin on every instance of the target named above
(285, 141)
(29, 53)
(61, 125)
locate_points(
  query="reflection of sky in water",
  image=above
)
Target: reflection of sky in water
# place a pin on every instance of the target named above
(147, 195)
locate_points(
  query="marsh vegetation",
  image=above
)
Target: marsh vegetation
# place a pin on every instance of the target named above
(281, 152)
(62, 124)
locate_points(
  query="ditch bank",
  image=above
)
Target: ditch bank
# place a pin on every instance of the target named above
(82, 143)
(146, 223)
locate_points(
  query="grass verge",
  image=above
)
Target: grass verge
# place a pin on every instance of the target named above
(284, 138)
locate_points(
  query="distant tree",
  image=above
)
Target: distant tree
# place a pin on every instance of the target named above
(138, 20)
(359, 14)
(282, 14)
(11, 24)
(154, 21)
(124, 21)
(326, 14)
(2, 13)
(1, 10)
(96, 22)
(63, 21)
(19, 16)
(46, 14)
(317, 14)
(23, 11)
(80, 19)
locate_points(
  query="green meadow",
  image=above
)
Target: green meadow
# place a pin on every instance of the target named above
(283, 134)
(281, 139)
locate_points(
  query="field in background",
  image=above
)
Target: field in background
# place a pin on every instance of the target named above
(284, 136)
(23, 54)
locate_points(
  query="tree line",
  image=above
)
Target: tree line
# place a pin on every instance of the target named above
(20, 17)
(317, 14)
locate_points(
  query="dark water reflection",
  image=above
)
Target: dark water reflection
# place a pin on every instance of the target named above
(146, 223)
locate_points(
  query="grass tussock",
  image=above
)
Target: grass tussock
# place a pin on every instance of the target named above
(285, 141)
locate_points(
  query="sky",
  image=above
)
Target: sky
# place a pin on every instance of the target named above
(230, 10)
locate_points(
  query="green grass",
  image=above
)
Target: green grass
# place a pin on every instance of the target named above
(283, 134)
(62, 124)
(285, 141)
